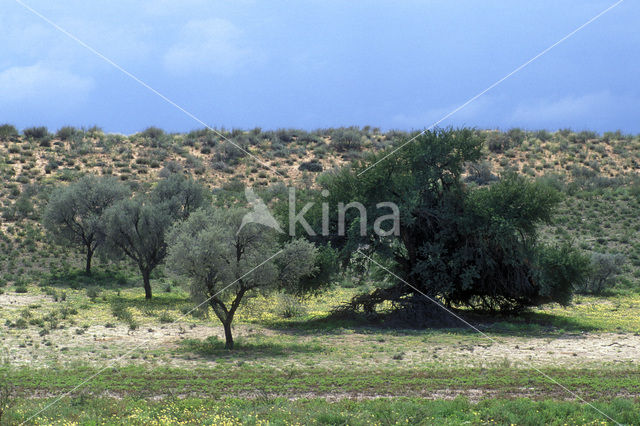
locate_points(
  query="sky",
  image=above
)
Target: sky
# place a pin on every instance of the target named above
(315, 64)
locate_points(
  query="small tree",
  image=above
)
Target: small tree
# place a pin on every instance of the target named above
(74, 213)
(136, 227)
(179, 195)
(604, 269)
(224, 261)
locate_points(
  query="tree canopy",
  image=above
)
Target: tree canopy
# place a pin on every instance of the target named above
(224, 261)
(74, 213)
(461, 244)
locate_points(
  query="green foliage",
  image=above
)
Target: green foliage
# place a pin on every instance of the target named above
(560, 269)
(153, 132)
(8, 132)
(311, 166)
(603, 270)
(226, 258)
(474, 247)
(136, 228)
(178, 195)
(36, 133)
(74, 214)
(66, 133)
(346, 139)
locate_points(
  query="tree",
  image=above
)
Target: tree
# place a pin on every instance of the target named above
(179, 195)
(464, 246)
(224, 261)
(136, 227)
(74, 213)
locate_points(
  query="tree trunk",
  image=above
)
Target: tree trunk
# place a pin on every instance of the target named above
(147, 284)
(87, 269)
(227, 335)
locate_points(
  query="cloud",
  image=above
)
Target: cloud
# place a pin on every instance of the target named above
(567, 109)
(38, 83)
(209, 46)
(468, 115)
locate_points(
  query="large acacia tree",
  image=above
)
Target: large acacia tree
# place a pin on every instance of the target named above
(224, 262)
(462, 245)
(74, 214)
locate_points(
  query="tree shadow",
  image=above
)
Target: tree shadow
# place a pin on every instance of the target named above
(77, 279)
(525, 324)
(160, 303)
(213, 348)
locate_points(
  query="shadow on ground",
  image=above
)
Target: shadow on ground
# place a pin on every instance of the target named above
(213, 347)
(526, 324)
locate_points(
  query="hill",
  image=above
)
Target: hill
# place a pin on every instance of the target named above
(598, 174)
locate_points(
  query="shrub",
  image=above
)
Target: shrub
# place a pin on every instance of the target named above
(543, 135)
(36, 133)
(93, 292)
(66, 133)
(481, 173)
(516, 136)
(7, 132)
(497, 142)
(166, 318)
(122, 313)
(346, 140)
(153, 132)
(604, 269)
(289, 306)
(311, 166)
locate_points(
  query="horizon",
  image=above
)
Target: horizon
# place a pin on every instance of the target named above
(319, 129)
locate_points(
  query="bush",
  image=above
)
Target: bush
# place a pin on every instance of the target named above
(66, 133)
(166, 318)
(603, 271)
(7, 132)
(122, 313)
(481, 173)
(36, 133)
(153, 132)
(289, 306)
(311, 166)
(346, 140)
(543, 135)
(516, 136)
(93, 292)
(498, 142)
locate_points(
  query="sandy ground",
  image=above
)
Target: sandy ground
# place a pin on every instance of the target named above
(162, 344)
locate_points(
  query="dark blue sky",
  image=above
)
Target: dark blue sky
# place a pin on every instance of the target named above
(326, 63)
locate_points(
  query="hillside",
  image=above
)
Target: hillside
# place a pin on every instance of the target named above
(597, 174)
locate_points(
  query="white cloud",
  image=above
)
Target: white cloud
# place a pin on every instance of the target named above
(567, 109)
(40, 83)
(467, 115)
(208, 46)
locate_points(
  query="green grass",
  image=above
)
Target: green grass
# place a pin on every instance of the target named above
(234, 379)
(262, 411)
